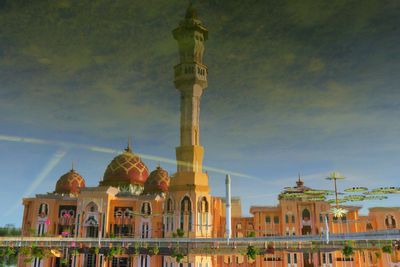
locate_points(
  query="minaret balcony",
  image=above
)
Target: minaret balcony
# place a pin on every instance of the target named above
(190, 72)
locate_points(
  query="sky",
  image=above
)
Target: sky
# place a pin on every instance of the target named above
(309, 86)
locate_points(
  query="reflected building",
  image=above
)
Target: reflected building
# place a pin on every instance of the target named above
(133, 202)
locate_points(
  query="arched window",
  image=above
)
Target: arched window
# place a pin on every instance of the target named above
(203, 205)
(186, 205)
(306, 214)
(268, 219)
(43, 210)
(287, 218)
(146, 209)
(186, 209)
(390, 221)
(92, 207)
(169, 206)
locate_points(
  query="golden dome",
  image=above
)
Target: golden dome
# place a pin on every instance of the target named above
(70, 183)
(158, 181)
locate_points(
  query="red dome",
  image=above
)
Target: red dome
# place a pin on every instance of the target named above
(158, 181)
(70, 183)
(126, 168)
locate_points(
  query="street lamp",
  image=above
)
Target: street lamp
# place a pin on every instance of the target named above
(338, 212)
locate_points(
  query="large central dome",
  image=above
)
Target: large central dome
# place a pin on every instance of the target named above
(126, 170)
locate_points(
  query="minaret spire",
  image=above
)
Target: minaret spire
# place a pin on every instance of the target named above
(299, 182)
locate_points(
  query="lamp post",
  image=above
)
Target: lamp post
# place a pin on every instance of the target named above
(228, 207)
(338, 212)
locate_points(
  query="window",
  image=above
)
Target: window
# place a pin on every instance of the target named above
(92, 231)
(343, 218)
(90, 260)
(287, 218)
(203, 205)
(330, 258)
(146, 209)
(169, 205)
(288, 258)
(268, 219)
(276, 219)
(321, 219)
(292, 218)
(295, 258)
(43, 210)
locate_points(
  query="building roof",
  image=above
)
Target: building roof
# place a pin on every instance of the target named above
(378, 209)
(254, 209)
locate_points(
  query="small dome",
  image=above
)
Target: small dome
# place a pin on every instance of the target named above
(69, 183)
(126, 169)
(158, 181)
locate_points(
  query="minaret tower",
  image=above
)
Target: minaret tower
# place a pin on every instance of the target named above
(190, 80)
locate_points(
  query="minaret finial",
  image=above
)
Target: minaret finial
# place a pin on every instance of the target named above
(299, 182)
(128, 148)
(191, 12)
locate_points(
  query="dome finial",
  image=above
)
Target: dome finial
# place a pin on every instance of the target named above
(159, 165)
(128, 148)
(72, 169)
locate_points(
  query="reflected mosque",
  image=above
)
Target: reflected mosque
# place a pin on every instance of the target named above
(131, 201)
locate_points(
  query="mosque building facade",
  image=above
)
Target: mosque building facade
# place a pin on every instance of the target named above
(131, 201)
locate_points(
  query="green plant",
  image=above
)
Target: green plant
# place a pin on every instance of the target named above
(251, 252)
(387, 249)
(137, 248)
(28, 260)
(32, 230)
(38, 252)
(154, 250)
(75, 252)
(114, 251)
(347, 251)
(112, 235)
(7, 252)
(180, 232)
(174, 235)
(25, 251)
(378, 254)
(94, 250)
(251, 234)
(63, 260)
(178, 257)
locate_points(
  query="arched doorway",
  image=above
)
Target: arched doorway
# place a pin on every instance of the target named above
(306, 222)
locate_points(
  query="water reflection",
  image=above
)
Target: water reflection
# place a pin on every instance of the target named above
(365, 258)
